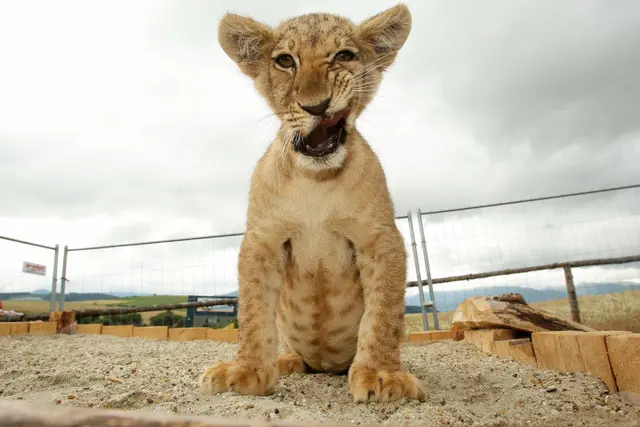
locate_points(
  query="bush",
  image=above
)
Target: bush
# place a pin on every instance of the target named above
(167, 318)
(115, 319)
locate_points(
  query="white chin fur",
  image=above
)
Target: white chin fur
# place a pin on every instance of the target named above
(334, 160)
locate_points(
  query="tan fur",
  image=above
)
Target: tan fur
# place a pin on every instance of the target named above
(322, 263)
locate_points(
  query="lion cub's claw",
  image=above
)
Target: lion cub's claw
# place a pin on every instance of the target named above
(238, 377)
(367, 385)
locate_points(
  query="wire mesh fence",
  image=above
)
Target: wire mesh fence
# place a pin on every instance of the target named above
(28, 272)
(475, 240)
(528, 233)
(167, 270)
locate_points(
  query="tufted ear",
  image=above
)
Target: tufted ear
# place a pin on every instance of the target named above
(386, 33)
(245, 41)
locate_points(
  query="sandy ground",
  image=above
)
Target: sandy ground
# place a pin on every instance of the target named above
(466, 386)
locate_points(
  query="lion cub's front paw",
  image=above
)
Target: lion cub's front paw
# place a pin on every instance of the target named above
(367, 385)
(239, 377)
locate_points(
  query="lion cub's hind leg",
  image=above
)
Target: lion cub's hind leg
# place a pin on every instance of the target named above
(291, 362)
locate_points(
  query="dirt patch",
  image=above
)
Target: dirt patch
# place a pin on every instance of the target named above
(466, 386)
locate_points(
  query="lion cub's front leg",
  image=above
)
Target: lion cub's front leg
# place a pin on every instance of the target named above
(255, 369)
(376, 373)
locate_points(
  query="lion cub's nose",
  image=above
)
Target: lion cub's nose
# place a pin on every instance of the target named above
(318, 109)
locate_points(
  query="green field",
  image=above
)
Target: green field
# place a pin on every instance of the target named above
(618, 311)
(41, 306)
(148, 300)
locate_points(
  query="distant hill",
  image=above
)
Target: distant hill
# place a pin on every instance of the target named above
(449, 300)
(70, 297)
(6, 296)
(127, 295)
(446, 300)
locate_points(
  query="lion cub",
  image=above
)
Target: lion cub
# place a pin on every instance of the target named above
(322, 263)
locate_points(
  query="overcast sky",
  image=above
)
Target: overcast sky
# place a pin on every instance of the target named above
(124, 121)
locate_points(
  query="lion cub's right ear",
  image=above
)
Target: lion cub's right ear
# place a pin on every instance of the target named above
(246, 41)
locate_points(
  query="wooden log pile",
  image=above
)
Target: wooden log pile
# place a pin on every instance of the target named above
(506, 326)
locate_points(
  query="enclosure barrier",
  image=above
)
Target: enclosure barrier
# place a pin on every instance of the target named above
(426, 306)
(566, 266)
(611, 356)
(66, 254)
(94, 312)
(54, 278)
(572, 298)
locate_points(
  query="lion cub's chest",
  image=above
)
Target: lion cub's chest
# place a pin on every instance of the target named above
(321, 299)
(315, 244)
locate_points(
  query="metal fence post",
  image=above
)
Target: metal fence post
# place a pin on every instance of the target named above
(425, 319)
(63, 278)
(436, 322)
(54, 280)
(571, 292)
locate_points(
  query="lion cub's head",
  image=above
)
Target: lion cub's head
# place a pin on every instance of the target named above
(317, 72)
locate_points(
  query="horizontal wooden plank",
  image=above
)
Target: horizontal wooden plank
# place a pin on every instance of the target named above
(5, 329)
(518, 349)
(483, 338)
(428, 336)
(123, 331)
(19, 328)
(25, 414)
(573, 351)
(224, 335)
(43, 328)
(89, 328)
(624, 354)
(152, 332)
(187, 334)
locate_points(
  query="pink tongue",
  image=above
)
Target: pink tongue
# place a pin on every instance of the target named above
(331, 121)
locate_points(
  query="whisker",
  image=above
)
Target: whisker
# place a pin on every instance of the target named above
(285, 144)
(267, 117)
(370, 89)
(366, 85)
(377, 63)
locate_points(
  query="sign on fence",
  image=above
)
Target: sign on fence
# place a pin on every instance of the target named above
(33, 268)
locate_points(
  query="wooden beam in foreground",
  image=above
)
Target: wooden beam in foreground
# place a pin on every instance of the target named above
(23, 414)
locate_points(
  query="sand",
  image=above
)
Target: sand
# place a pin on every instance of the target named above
(466, 386)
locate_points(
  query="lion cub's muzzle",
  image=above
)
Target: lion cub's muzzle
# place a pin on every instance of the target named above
(325, 138)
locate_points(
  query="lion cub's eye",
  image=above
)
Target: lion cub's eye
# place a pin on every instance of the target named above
(344, 55)
(285, 60)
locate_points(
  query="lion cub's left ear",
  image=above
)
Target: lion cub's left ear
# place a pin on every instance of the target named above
(246, 41)
(386, 33)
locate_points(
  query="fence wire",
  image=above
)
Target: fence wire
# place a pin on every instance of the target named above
(527, 233)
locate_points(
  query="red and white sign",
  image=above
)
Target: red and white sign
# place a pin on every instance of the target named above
(33, 268)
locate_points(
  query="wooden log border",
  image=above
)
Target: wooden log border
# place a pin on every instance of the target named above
(165, 333)
(612, 356)
(123, 331)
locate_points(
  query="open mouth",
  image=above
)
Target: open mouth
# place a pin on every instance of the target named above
(325, 138)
